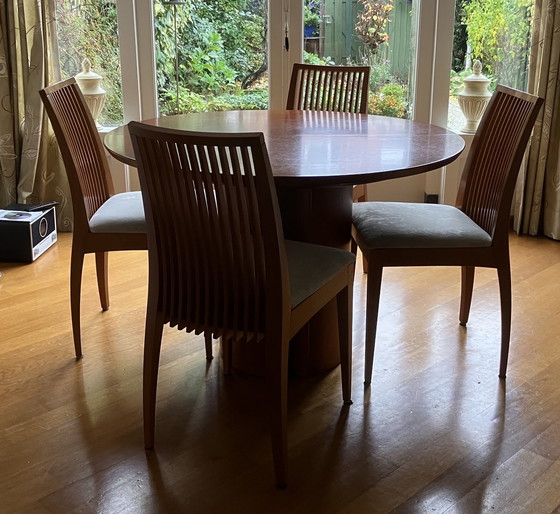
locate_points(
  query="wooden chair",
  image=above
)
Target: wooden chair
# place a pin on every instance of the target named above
(474, 233)
(103, 221)
(219, 265)
(329, 88)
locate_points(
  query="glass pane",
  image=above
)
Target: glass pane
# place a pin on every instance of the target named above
(496, 32)
(211, 56)
(88, 29)
(373, 32)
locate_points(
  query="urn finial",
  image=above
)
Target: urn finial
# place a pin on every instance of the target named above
(90, 84)
(474, 98)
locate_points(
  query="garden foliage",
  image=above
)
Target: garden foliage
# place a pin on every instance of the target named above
(499, 32)
(89, 29)
(372, 22)
(220, 50)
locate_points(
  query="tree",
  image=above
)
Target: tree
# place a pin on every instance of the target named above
(499, 33)
(459, 37)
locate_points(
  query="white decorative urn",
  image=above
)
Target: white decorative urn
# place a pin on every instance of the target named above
(474, 98)
(94, 95)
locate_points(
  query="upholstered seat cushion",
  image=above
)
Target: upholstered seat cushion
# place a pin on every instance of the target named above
(122, 213)
(311, 266)
(416, 225)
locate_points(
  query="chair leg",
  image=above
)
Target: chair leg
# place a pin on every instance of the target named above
(152, 348)
(354, 250)
(208, 346)
(277, 377)
(344, 309)
(101, 265)
(467, 283)
(76, 267)
(227, 350)
(374, 277)
(353, 246)
(504, 280)
(364, 263)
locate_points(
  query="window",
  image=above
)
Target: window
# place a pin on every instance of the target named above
(140, 67)
(496, 32)
(88, 30)
(371, 32)
(211, 55)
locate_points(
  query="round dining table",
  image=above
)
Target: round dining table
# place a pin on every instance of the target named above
(316, 159)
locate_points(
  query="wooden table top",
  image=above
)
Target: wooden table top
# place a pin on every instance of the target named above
(316, 148)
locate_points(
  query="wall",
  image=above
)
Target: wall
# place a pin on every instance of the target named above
(411, 189)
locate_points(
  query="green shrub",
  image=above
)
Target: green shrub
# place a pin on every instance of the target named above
(380, 70)
(194, 102)
(390, 101)
(188, 102)
(309, 58)
(245, 100)
(395, 90)
(456, 81)
(209, 71)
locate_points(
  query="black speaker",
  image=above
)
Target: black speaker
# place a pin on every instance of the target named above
(26, 234)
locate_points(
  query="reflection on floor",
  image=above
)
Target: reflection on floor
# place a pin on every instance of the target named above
(436, 432)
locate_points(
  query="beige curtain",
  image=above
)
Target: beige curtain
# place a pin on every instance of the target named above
(537, 208)
(31, 170)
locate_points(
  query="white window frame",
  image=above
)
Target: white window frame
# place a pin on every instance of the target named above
(434, 50)
(138, 66)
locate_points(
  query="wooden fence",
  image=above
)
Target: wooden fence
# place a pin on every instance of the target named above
(338, 39)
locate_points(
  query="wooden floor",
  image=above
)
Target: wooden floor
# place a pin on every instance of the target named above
(437, 432)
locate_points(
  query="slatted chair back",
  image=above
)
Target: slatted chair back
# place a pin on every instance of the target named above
(213, 219)
(81, 148)
(491, 169)
(119, 223)
(329, 88)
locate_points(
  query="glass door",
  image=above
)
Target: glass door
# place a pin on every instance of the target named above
(407, 44)
(371, 32)
(211, 56)
(162, 57)
(87, 37)
(498, 34)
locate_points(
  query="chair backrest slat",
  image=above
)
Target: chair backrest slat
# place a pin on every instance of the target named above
(488, 180)
(214, 231)
(81, 148)
(329, 88)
